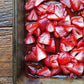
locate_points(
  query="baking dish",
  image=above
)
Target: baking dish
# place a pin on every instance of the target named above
(18, 53)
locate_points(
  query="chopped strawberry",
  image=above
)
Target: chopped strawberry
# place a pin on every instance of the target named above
(44, 38)
(82, 1)
(37, 32)
(80, 44)
(42, 9)
(83, 13)
(32, 16)
(51, 47)
(73, 60)
(40, 53)
(32, 27)
(30, 4)
(56, 34)
(32, 70)
(66, 3)
(55, 71)
(81, 7)
(44, 72)
(51, 61)
(34, 50)
(29, 39)
(51, 8)
(75, 4)
(55, 23)
(64, 58)
(50, 27)
(75, 68)
(72, 75)
(64, 69)
(43, 16)
(78, 21)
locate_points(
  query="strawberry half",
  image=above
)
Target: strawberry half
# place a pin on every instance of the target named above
(29, 39)
(32, 16)
(44, 72)
(44, 38)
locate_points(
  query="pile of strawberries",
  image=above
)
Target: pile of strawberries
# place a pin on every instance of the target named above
(51, 18)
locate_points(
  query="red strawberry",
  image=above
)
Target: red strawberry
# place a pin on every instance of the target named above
(32, 70)
(72, 75)
(50, 27)
(43, 16)
(32, 16)
(64, 58)
(80, 44)
(78, 21)
(56, 34)
(83, 13)
(64, 69)
(75, 4)
(75, 68)
(37, 32)
(55, 71)
(51, 47)
(81, 7)
(44, 38)
(82, 1)
(44, 72)
(30, 5)
(29, 39)
(73, 60)
(55, 23)
(40, 53)
(51, 8)
(51, 61)
(66, 3)
(32, 27)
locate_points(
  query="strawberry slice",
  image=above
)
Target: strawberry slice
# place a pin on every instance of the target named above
(38, 2)
(75, 68)
(42, 9)
(51, 8)
(50, 27)
(40, 53)
(82, 1)
(51, 47)
(66, 3)
(78, 21)
(32, 16)
(44, 72)
(44, 38)
(75, 4)
(64, 58)
(51, 61)
(80, 44)
(37, 32)
(30, 4)
(55, 71)
(32, 27)
(55, 23)
(64, 69)
(43, 16)
(29, 39)
(83, 13)
(72, 75)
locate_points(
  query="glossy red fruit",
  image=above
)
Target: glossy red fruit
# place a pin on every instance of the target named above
(78, 21)
(29, 39)
(64, 58)
(37, 32)
(44, 72)
(51, 8)
(83, 13)
(32, 27)
(72, 75)
(44, 38)
(80, 44)
(40, 53)
(82, 1)
(30, 4)
(32, 16)
(55, 22)
(50, 27)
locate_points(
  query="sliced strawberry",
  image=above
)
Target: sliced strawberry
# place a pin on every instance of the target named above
(55, 23)
(64, 69)
(75, 4)
(44, 38)
(43, 16)
(78, 21)
(56, 34)
(75, 68)
(66, 3)
(53, 17)
(83, 13)
(64, 58)
(42, 9)
(55, 71)
(38, 2)
(43, 23)
(44, 72)
(51, 47)
(65, 21)
(72, 75)
(37, 32)
(40, 53)
(29, 39)
(30, 4)
(82, 1)
(32, 27)
(81, 7)
(73, 60)
(32, 70)
(80, 44)
(32, 16)
(51, 61)
(51, 8)
(34, 50)
(50, 27)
